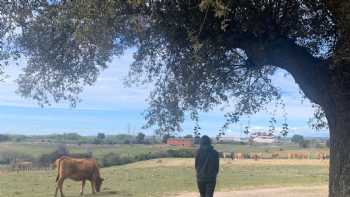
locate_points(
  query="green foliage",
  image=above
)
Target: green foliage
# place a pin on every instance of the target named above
(4, 138)
(101, 136)
(112, 159)
(157, 179)
(140, 138)
(65, 137)
(120, 139)
(9, 157)
(182, 153)
(304, 143)
(319, 120)
(297, 139)
(49, 158)
(166, 137)
(68, 43)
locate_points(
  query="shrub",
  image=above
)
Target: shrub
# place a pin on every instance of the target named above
(112, 159)
(297, 139)
(140, 138)
(183, 153)
(166, 137)
(115, 159)
(304, 144)
(4, 138)
(8, 157)
(47, 159)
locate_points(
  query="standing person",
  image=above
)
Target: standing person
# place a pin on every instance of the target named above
(207, 167)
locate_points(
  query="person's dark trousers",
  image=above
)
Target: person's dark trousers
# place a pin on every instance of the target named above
(206, 188)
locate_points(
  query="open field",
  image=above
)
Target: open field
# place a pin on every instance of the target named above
(169, 177)
(35, 150)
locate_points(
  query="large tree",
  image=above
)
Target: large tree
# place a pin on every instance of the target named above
(197, 53)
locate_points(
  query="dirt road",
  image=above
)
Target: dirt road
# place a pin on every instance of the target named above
(318, 191)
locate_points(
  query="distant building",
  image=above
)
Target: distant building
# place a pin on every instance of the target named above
(263, 137)
(228, 139)
(180, 142)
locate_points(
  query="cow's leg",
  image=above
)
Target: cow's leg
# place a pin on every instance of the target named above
(82, 187)
(93, 187)
(60, 185)
(57, 186)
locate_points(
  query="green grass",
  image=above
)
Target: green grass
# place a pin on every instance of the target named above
(35, 150)
(267, 150)
(162, 177)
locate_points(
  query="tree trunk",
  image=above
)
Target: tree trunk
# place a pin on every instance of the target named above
(339, 127)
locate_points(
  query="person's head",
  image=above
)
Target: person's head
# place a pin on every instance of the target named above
(205, 141)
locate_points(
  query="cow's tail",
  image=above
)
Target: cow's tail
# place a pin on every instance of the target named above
(58, 169)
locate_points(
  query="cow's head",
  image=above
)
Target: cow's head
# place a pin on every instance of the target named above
(99, 181)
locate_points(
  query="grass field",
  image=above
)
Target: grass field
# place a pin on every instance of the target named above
(164, 177)
(35, 150)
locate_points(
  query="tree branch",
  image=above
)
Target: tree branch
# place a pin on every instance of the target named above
(309, 72)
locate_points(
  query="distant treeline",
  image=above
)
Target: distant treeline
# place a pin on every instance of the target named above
(100, 138)
(10, 158)
(75, 138)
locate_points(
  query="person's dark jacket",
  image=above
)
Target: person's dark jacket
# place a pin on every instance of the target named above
(207, 163)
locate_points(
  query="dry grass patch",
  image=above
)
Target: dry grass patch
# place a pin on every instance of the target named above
(172, 162)
(314, 191)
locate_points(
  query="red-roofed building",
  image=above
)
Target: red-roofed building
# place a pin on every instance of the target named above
(180, 142)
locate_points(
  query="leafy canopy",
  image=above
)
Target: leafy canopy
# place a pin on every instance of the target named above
(198, 53)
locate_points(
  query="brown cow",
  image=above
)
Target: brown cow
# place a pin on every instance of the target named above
(254, 156)
(230, 155)
(239, 156)
(78, 170)
(321, 156)
(275, 155)
(23, 166)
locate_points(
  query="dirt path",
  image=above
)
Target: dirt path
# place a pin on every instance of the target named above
(319, 191)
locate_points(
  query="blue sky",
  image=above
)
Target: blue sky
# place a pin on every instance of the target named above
(110, 107)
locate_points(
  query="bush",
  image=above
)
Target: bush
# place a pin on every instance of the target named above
(297, 139)
(112, 159)
(47, 159)
(140, 138)
(304, 144)
(166, 137)
(9, 157)
(4, 138)
(181, 153)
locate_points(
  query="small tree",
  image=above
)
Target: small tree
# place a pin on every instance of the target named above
(297, 139)
(304, 144)
(61, 150)
(4, 138)
(166, 137)
(197, 134)
(140, 138)
(101, 136)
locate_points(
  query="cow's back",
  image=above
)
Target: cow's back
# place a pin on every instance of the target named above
(77, 169)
